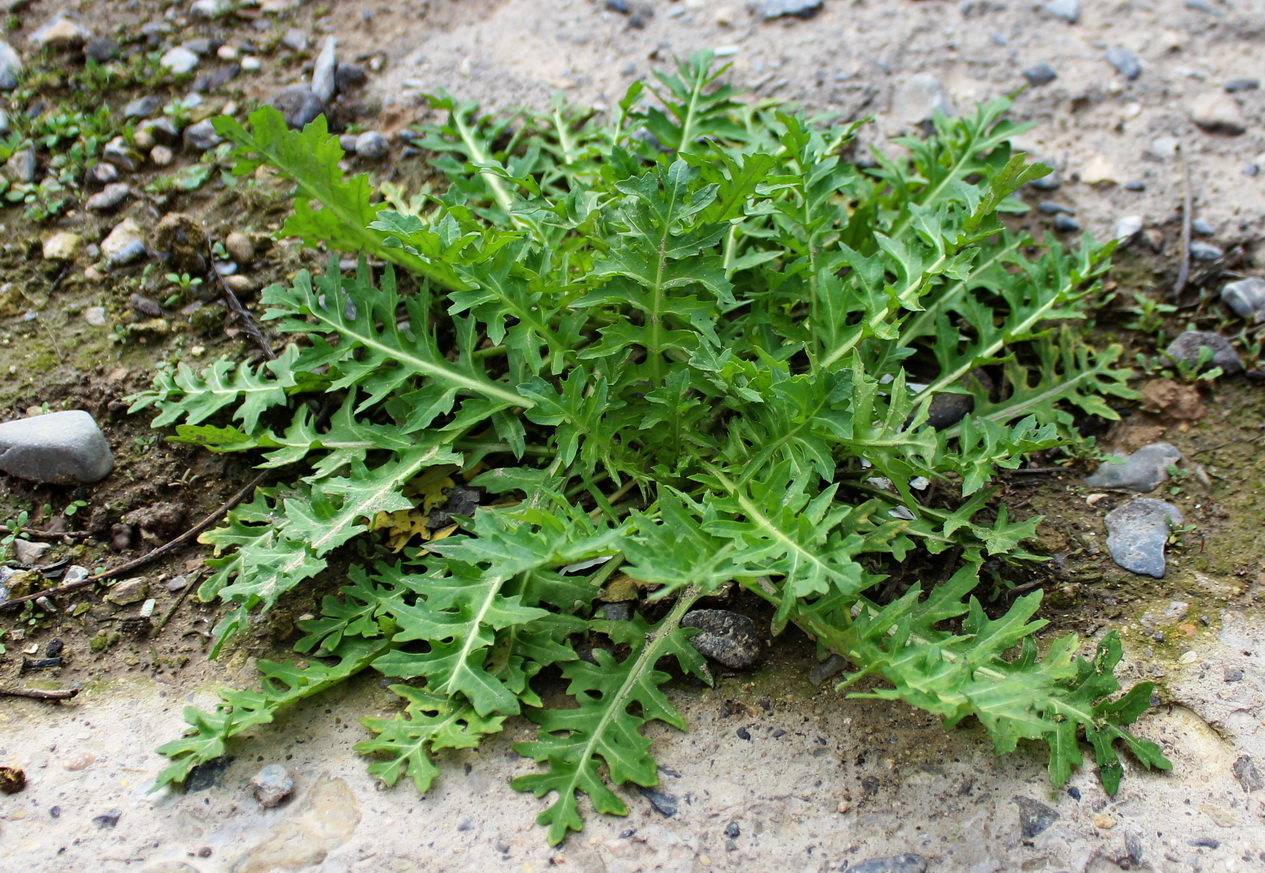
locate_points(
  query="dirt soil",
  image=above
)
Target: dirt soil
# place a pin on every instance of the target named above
(777, 773)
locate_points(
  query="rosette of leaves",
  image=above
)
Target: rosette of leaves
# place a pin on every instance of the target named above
(690, 343)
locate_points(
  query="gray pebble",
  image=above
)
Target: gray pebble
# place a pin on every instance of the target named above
(1127, 227)
(1241, 83)
(664, 804)
(348, 77)
(108, 198)
(273, 786)
(22, 166)
(118, 153)
(372, 146)
(202, 45)
(129, 253)
(202, 136)
(1137, 533)
(28, 552)
(1135, 185)
(1143, 470)
(211, 9)
(1218, 112)
(163, 130)
(1202, 227)
(1034, 817)
(1186, 348)
(240, 247)
(946, 410)
(142, 107)
(1245, 771)
(767, 9)
(296, 40)
(1040, 74)
(298, 104)
(179, 60)
(10, 66)
(1067, 10)
(177, 583)
(726, 637)
(906, 863)
(347, 142)
(323, 82)
(5, 124)
(1053, 207)
(1202, 251)
(1133, 845)
(919, 97)
(827, 669)
(1246, 297)
(59, 448)
(1124, 62)
(145, 305)
(101, 49)
(60, 31)
(128, 591)
(1066, 224)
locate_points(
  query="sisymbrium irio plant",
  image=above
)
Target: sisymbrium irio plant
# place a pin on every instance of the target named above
(686, 346)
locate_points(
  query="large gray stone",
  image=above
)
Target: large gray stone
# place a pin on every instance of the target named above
(10, 67)
(1246, 297)
(1143, 470)
(1188, 346)
(60, 448)
(1137, 533)
(323, 71)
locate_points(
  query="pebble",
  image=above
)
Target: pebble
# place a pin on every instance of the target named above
(202, 136)
(1053, 207)
(768, 9)
(145, 305)
(1127, 228)
(60, 31)
(62, 246)
(347, 142)
(1098, 170)
(108, 198)
(306, 836)
(120, 241)
(5, 124)
(1067, 10)
(239, 247)
(59, 448)
(162, 156)
(1246, 297)
(906, 863)
(177, 583)
(28, 552)
(1249, 777)
(22, 166)
(273, 786)
(211, 9)
(1137, 533)
(1143, 470)
(118, 153)
(827, 669)
(1216, 112)
(728, 638)
(95, 316)
(919, 97)
(349, 76)
(179, 60)
(1066, 224)
(372, 146)
(201, 45)
(108, 819)
(101, 49)
(298, 104)
(664, 804)
(128, 591)
(142, 107)
(1124, 62)
(1034, 817)
(1241, 83)
(1186, 348)
(296, 40)
(1040, 74)
(1202, 251)
(251, 64)
(323, 70)
(10, 66)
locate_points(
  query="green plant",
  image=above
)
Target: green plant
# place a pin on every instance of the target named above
(680, 345)
(1148, 314)
(183, 282)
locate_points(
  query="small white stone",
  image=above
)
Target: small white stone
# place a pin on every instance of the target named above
(179, 60)
(62, 246)
(1128, 227)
